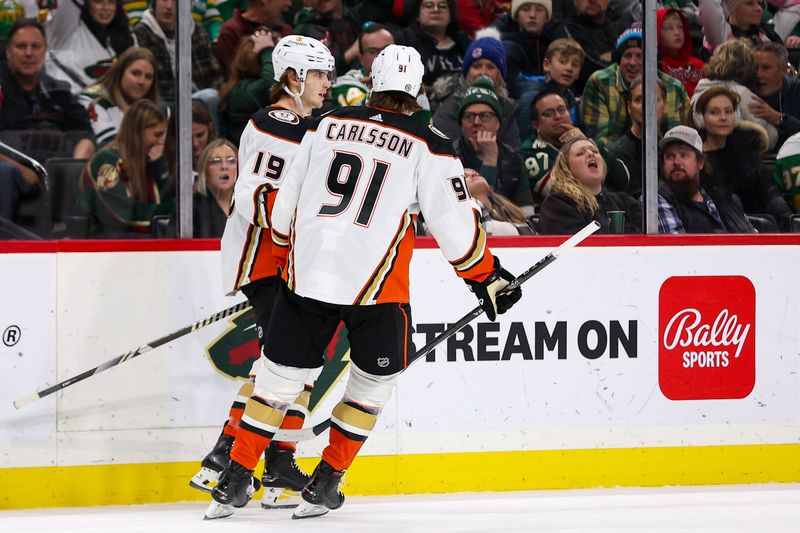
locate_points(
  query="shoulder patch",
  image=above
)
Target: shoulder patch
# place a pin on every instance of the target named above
(284, 115)
(107, 176)
(438, 132)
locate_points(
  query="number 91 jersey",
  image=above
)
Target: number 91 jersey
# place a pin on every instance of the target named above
(343, 218)
(267, 147)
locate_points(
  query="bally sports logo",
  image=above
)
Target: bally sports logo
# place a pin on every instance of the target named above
(707, 337)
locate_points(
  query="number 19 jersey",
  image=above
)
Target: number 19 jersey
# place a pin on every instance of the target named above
(344, 214)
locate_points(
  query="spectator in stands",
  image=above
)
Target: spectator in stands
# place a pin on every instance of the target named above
(202, 133)
(247, 88)
(499, 215)
(336, 25)
(38, 114)
(787, 171)
(724, 20)
(436, 36)
(351, 88)
(733, 65)
(597, 30)
(578, 195)
(779, 96)
(562, 64)
(10, 11)
(734, 148)
(157, 32)
(479, 145)
(485, 56)
(526, 36)
(628, 148)
(205, 13)
(132, 78)
(685, 204)
(476, 14)
(127, 183)
(553, 126)
(85, 41)
(258, 13)
(213, 191)
(603, 106)
(676, 50)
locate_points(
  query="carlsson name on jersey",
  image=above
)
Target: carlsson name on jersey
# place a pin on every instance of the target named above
(369, 134)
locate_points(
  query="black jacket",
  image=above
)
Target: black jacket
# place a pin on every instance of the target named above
(628, 149)
(559, 214)
(508, 171)
(524, 50)
(437, 62)
(695, 219)
(787, 101)
(738, 168)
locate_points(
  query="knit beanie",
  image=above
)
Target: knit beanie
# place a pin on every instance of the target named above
(546, 4)
(481, 92)
(630, 38)
(487, 45)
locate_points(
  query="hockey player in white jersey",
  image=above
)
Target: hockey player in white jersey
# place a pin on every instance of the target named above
(268, 145)
(342, 227)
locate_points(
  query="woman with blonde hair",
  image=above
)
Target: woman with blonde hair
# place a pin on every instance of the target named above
(249, 80)
(733, 65)
(578, 196)
(126, 183)
(218, 166)
(132, 78)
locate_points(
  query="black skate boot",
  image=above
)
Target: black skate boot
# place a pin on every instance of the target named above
(235, 489)
(322, 492)
(281, 474)
(213, 464)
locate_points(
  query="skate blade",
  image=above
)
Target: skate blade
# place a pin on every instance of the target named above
(309, 510)
(205, 480)
(277, 498)
(218, 510)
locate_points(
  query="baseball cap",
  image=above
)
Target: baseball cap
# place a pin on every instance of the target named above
(683, 134)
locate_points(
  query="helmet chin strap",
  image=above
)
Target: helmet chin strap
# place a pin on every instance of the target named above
(296, 97)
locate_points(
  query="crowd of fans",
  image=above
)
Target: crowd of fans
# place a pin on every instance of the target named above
(542, 100)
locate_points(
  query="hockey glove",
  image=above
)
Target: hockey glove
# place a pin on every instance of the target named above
(490, 292)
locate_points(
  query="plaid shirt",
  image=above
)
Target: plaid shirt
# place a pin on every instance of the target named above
(668, 220)
(604, 109)
(206, 72)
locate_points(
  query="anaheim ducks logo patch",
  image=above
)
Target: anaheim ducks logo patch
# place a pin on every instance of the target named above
(437, 132)
(283, 115)
(107, 176)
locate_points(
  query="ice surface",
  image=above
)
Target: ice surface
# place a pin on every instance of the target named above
(773, 508)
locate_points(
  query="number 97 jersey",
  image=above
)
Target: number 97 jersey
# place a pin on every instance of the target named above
(268, 145)
(343, 218)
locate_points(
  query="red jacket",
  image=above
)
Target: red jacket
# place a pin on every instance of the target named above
(683, 67)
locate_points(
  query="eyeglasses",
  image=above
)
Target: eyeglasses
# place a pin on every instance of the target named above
(231, 160)
(552, 113)
(483, 116)
(441, 6)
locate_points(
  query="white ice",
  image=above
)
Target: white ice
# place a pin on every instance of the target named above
(773, 508)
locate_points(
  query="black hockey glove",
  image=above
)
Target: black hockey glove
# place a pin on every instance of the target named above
(490, 292)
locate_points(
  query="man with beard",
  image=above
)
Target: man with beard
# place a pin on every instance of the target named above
(684, 205)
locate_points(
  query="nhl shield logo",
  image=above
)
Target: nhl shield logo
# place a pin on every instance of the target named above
(234, 351)
(383, 362)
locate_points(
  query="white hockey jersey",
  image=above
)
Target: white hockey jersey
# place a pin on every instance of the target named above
(267, 147)
(344, 215)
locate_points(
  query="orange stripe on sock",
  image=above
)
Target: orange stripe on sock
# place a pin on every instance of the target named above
(248, 448)
(341, 451)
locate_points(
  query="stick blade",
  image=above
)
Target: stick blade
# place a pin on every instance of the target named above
(22, 402)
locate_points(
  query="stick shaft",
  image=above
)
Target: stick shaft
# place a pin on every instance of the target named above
(133, 353)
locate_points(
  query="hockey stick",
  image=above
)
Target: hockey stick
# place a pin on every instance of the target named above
(133, 353)
(311, 432)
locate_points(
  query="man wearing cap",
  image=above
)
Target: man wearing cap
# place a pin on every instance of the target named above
(684, 205)
(480, 115)
(603, 105)
(526, 36)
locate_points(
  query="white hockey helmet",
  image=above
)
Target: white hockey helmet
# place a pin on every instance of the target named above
(301, 54)
(397, 68)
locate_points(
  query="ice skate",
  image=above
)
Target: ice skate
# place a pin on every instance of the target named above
(235, 489)
(213, 464)
(282, 479)
(322, 493)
